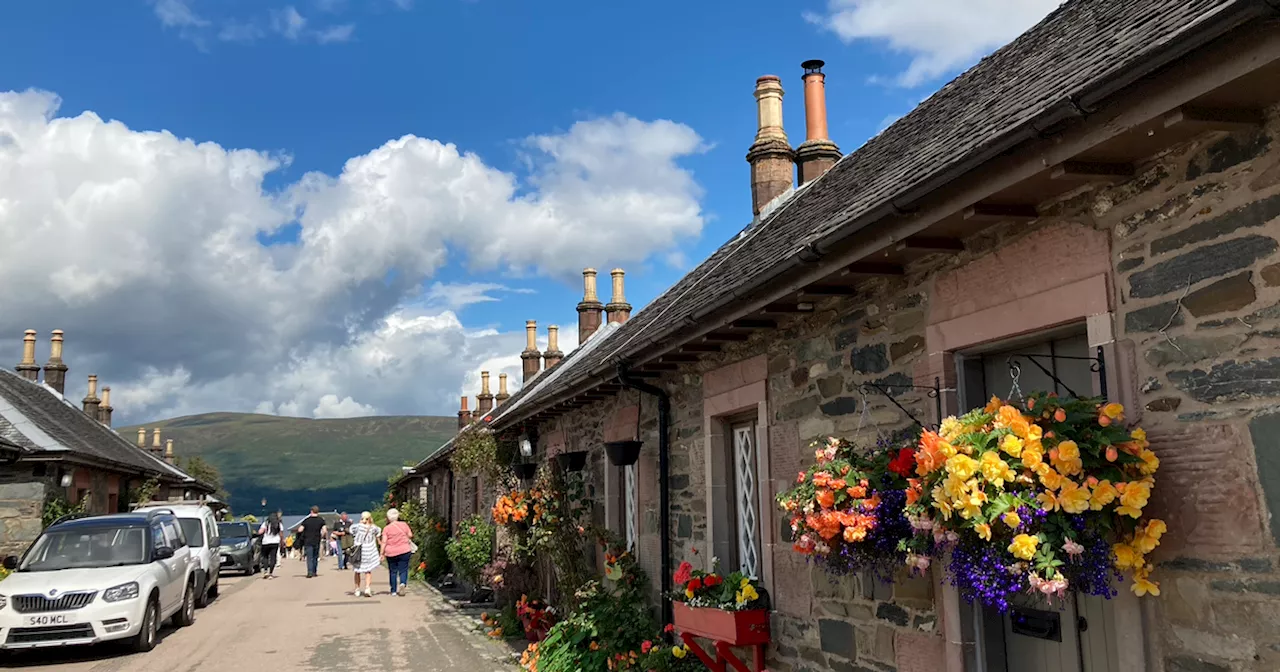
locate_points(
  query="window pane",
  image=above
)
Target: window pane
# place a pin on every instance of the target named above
(629, 504)
(746, 499)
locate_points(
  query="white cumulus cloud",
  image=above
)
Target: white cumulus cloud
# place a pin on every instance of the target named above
(144, 247)
(940, 36)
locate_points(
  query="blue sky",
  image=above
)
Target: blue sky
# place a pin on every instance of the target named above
(315, 84)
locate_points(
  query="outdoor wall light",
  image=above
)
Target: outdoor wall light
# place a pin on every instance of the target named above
(526, 446)
(66, 480)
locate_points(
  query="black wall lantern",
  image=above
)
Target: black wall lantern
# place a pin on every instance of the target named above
(626, 453)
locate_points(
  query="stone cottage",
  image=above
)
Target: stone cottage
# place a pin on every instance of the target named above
(54, 449)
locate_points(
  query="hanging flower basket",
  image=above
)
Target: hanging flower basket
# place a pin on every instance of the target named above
(525, 470)
(623, 453)
(575, 461)
(735, 628)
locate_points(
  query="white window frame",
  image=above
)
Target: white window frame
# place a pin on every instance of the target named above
(746, 503)
(629, 506)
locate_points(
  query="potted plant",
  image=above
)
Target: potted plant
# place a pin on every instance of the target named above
(572, 461)
(623, 453)
(725, 608)
(525, 470)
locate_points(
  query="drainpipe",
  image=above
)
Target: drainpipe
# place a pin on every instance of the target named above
(664, 474)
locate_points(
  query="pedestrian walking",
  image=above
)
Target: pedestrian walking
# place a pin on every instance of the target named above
(341, 531)
(271, 532)
(366, 545)
(397, 548)
(312, 531)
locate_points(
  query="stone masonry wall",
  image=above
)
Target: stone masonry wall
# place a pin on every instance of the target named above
(22, 497)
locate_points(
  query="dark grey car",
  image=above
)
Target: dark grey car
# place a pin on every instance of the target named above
(241, 547)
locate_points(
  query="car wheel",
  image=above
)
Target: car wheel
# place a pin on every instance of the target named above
(145, 640)
(187, 614)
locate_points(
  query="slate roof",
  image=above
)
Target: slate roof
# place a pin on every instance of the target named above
(41, 421)
(1079, 48)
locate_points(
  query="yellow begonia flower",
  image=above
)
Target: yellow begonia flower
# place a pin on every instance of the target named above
(1103, 494)
(678, 651)
(1113, 411)
(995, 470)
(1051, 479)
(1144, 586)
(1144, 543)
(1150, 463)
(950, 429)
(1012, 520)
(1136, 494)
(1073, 498)
(1156, 528)
(1011, 445)
(1034, 434)
(983, 530)
(1068, 450)
(1048, 501)
(688, 592)
(942, 505)
(962, 466)
(744, 583)
(1024, 546)
(1126, 556)
(1140, 435)
(1032, 456)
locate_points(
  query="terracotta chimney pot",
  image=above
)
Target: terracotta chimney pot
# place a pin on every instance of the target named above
(771, 158)
(817, 154)
(618, 309)
(168, 452)
(28, 368)
(589, 308)
(91, 401)
(530, 359)
(55, 372)
(105, 410)
(142, 437)
(553, 354)
(484, 400)
(503, 395)
(464, 414)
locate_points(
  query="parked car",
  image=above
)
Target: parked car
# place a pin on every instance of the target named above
(201, 528)
(98, 578)
(241, 547)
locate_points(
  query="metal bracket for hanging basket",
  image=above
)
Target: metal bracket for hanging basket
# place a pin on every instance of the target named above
(623, 453)
(575, 461)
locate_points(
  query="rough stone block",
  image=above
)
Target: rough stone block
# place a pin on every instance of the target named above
(1126, 265)
(840, 406)
(1231, 380)
(918, 652)
(1192, 664)
(1230, 151)
(1253, 215)
(1226, 647)
(1265, 430)
(1202, 263)
(869, 359)
(891, 612)
(1164, 404)
(837, 638)
(1190, 349)
(1223, 296)
(1153, 318)
(830, 386)
(906, 348)
(22, 491)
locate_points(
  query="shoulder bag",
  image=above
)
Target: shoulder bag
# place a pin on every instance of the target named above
(354, 553)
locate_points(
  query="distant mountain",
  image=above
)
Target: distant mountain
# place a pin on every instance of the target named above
(296, 462)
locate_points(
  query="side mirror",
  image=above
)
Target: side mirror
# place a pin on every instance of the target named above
(215, 542)
(163, 553)
(11, 562)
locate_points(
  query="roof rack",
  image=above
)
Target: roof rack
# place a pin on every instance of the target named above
(157, 512)
(70, 516)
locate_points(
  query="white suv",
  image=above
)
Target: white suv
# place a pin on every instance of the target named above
(201, 529)
(98, 578)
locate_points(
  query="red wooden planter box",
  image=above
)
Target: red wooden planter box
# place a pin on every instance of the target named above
(736, 628)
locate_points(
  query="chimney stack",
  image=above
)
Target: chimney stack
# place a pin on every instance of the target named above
(28, 368)
(55, 372)
(464, 414)
(484, 400)
(618, 309)
(772, 161)
(530, 359)
(142, 438)
(156, 448)
(590, 307)
(104, 411)
(817, 154)
(168, 452)
(553, 354)
(502, 391)
(91, 401)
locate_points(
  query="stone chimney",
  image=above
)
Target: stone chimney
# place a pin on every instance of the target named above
(55, 372)
(104, 411)
(589, 308)
(28, 368)
(530, 359)
(168, 453)
(618, 309)
(91, 401)
(484, 400)
(464, 414)
(156, 448)
(142, 438)
(553, 354)
(503, 395)
(772, 161)
(817, 153)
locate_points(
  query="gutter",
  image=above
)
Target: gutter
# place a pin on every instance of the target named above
(664, 473)
(1072, 106)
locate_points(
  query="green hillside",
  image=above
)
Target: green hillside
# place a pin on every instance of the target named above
(297, 462)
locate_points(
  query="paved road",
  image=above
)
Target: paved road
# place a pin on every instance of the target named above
(295, 623)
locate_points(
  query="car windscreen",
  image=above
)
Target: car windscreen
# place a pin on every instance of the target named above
(233, 531)
(193, 530)
(81, 548)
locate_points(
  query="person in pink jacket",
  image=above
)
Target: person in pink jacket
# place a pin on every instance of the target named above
(397, 548)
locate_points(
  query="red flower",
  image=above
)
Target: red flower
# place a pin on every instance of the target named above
(671, 627)
(684, 573)
(695, 584)
(645, 646)
(904, 463)
(711, 581)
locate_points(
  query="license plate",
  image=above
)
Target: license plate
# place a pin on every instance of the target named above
(46, 620)
(226, 559)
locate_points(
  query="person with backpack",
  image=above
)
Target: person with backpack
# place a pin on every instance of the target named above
(271, 532)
